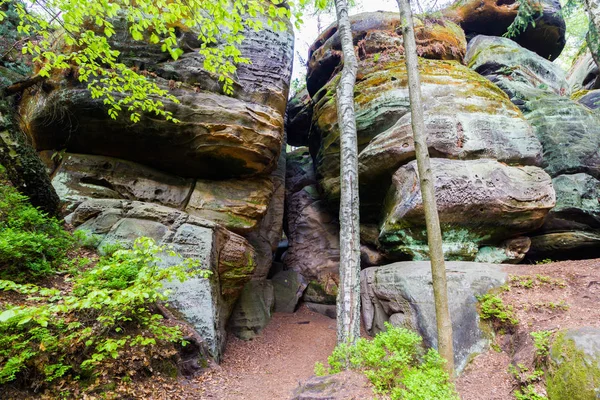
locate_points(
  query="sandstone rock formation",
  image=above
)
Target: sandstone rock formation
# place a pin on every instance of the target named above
(205, 303)
(221, 169)
(479, 202)
(569, 131)
(546, 36)
(402, 294)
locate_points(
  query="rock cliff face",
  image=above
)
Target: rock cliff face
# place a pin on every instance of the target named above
(514, 155)
(514, 144)
(211, 185)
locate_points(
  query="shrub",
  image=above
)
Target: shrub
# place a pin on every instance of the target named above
(107, 323)
(396, 364)
(493, 308)
(32, 245)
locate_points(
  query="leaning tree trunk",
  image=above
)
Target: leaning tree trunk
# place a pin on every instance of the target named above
(593, 38)
(22, 164)
(434, 233)
(348, 300)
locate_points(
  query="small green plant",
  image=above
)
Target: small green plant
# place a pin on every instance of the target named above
(551, 305)
(396, 364)
(544, 261)
(528, 393)
(493, 308)
(109, 313)
(32, 245)
(526, 380)
(541, 341)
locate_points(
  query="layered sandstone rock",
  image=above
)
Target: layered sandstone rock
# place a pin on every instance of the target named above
(545, 36)
(379, 33)
(479, 202)
(205, 303)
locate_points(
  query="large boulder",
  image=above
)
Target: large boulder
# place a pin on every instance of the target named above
(218, 137)
(568, 131)
(402, 294)
(479, 202)
(205, 303)
(376, 34)
(545, 36)
(574, 372)
(253, 310)
(515, 69)
(466, 117)
(572, 228)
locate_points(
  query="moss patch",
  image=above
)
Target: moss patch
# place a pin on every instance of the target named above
(573, 375)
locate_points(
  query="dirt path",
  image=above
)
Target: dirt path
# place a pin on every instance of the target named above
(270, 366)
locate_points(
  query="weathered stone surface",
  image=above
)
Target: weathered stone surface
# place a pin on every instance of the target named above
(466, 117)
(298, 118)
(583, 75)
(569, 133)
(574, 372)
(312, 232)
(253, 310)
(511, 251)
(577, 203)
(491, 17)
(218, 137)
(515, 69)
(205, 303)
(288, 287)
(266, 237)
(237, 204)
(405, 288)
(572, 228)
(479, 202)
(80, 177)
(558, 245)
(590, 99)
(328, 310)
(322, 292)
(377, 33)
(347, 385)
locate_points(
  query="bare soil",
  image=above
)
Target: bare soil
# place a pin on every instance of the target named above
(272, 365)
(547, 297)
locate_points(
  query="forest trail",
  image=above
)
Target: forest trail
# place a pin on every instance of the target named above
(271, 366)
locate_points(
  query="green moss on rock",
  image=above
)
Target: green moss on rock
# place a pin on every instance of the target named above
(574, 373)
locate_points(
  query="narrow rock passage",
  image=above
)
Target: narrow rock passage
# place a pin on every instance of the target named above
(270, 366)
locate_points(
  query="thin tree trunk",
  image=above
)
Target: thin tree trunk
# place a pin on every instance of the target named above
(593, 38)
(434, 233)
(348, 300)
(22, 164)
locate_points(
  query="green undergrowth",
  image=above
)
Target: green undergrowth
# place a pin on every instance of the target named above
(492, 308)
(68, 321)
(32, 245)
(397, 365)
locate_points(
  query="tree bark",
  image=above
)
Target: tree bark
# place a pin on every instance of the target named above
(22, 164)
(348, 299)
(432, 222)
(593, 38)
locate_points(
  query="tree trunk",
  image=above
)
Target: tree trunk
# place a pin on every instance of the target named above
(434, 233)
(22, 164)
(593, 40)
(348, 300)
